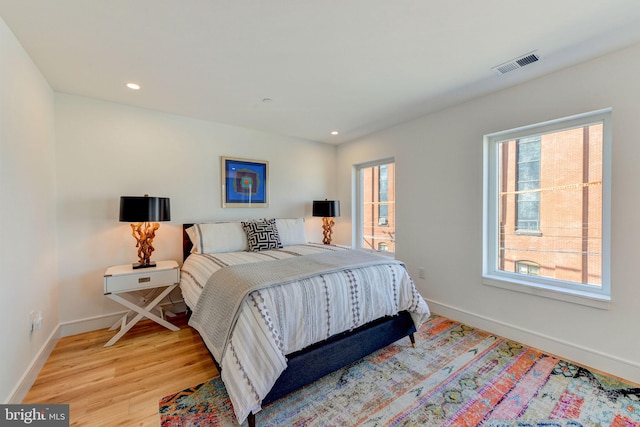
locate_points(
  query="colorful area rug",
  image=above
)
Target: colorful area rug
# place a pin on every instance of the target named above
(456, 376)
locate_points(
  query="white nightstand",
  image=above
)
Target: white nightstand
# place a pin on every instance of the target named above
(140, 290)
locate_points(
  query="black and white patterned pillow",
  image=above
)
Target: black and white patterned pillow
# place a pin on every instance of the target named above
(262, 234)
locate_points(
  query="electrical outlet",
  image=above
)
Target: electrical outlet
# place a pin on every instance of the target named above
(421, 272)
(35, 320)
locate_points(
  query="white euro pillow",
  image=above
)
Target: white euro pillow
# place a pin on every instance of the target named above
(291, 231)
(217, 237)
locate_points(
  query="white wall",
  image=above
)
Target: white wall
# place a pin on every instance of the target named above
(439, 210)
(28, 255)
(106, 150)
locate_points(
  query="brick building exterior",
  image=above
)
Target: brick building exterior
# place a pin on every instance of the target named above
(379, 208)
(556, 231)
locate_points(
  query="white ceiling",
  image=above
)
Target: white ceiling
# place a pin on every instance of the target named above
(356, 66)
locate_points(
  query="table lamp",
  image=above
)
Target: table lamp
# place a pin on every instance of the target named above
(144, 212)
(327, 209)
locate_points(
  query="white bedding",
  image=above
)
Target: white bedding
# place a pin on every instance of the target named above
(280, 320)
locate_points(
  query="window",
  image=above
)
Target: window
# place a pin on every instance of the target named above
(383, 195)
(376, 206)
(527, 267)
(528, 196)
(547, 204)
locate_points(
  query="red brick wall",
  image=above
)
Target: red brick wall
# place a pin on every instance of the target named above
(381, 233)
(568, 244)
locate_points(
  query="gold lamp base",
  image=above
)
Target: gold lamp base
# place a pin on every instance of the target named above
(327, 229)
(144, 232)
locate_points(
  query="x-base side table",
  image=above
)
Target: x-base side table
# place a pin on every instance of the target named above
(124, 284)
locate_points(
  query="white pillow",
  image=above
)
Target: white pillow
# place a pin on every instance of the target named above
(217, 237)
(291, 231)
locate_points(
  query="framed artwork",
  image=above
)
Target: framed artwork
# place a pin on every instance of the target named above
(245, 183)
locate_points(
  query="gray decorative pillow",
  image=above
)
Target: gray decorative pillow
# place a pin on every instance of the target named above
(262, 234)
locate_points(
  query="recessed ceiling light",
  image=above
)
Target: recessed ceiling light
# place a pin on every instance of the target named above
(335, 132)
(133, 86)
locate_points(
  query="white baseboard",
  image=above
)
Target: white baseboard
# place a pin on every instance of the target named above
(104, 321)
(29, 377)
(589, 357)
(88, 324)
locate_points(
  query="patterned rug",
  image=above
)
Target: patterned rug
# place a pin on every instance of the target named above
(456, 376)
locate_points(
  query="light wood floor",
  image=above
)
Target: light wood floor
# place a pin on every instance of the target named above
(121, 385)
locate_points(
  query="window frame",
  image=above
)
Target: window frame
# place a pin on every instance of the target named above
(538, 285)
(358, 208)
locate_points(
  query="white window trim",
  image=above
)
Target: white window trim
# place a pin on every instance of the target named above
(537, 285)
(358, 214)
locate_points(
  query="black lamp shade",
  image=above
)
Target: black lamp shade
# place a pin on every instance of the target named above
(326, 208)
(144, 209)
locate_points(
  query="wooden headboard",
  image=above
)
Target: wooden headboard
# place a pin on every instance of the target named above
(186, 242)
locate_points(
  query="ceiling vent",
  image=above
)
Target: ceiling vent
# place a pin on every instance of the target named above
(516, 63)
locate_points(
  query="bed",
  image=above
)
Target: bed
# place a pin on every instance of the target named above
(273, 326)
